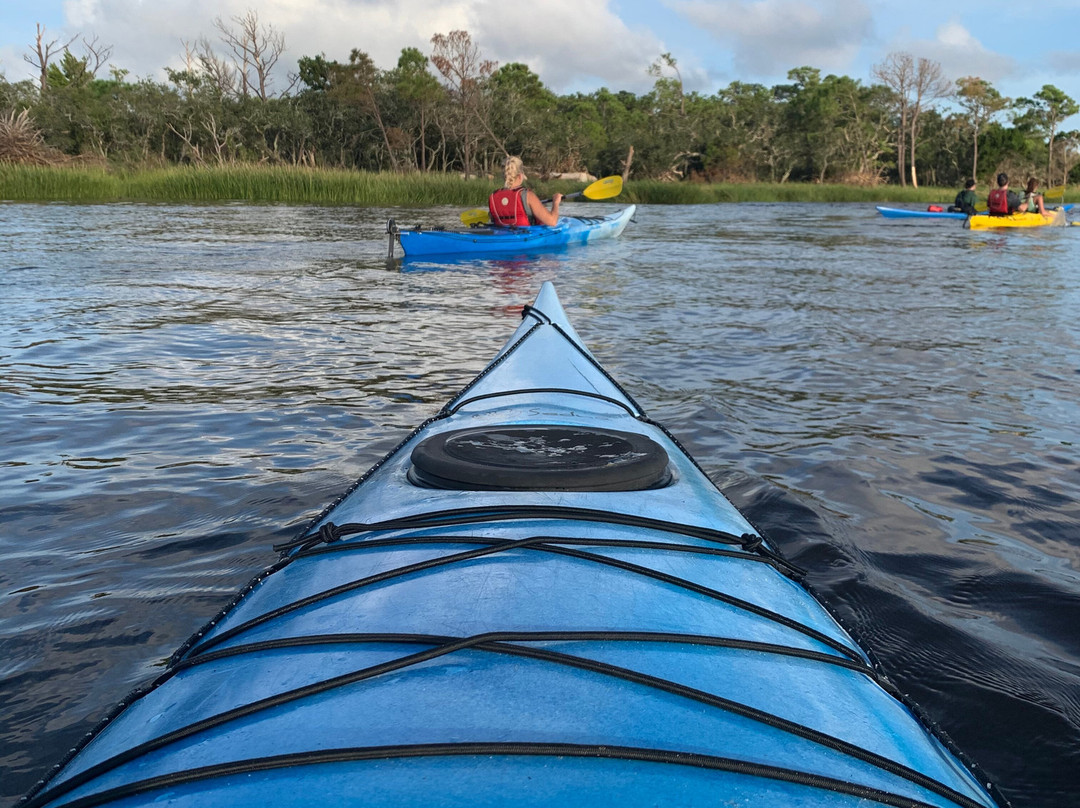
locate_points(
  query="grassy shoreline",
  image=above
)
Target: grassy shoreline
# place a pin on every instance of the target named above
(306, 186)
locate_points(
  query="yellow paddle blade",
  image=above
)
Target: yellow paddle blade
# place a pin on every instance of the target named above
(475, 216)
(604, 189)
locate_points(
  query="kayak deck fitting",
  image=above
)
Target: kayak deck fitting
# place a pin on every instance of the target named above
(488, 239)
(536, 599)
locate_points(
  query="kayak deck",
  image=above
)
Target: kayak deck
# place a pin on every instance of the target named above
(590, 620)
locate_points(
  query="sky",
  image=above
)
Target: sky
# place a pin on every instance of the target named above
(583, 45)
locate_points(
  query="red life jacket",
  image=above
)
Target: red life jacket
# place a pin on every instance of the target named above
(507, 208)
(997, 202)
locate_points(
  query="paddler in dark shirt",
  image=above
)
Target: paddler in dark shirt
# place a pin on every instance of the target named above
(965, 200)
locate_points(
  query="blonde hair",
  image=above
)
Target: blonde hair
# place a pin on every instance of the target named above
(512, 168)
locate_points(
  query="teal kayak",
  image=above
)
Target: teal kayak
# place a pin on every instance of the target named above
(536, 599)
(514, 240)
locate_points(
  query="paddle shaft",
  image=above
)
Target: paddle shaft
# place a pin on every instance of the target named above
(550, 199)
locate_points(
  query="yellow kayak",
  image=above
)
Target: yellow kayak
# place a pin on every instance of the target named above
(1057, 219)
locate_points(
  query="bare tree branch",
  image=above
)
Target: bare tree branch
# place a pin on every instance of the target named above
(96, 55)
(458, 60)
(897, 73)
(930, 85)
(256, 49)
(42, 52)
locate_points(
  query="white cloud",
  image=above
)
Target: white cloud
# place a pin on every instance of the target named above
(960, 54)
(571, 44)
(770, 37)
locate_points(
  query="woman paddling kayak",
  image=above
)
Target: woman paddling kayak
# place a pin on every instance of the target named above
(513, 205)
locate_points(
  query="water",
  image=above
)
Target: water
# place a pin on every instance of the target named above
(893, 403)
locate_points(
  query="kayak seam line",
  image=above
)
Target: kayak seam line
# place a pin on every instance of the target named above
(504, 749)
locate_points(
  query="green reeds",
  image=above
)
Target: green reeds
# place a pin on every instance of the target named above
(48, 183)
(326, 186)
(246, 183)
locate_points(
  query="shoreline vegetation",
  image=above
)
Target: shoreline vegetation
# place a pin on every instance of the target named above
(330, 186)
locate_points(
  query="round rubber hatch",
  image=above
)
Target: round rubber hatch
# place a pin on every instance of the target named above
(539, 457)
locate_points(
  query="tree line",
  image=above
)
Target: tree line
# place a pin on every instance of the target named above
(452, 110)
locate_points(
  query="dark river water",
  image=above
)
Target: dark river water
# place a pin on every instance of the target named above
(896, 405)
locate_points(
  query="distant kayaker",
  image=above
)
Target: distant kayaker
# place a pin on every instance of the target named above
(1032, 202)
(516, 206)
(965, 200)
(1001, 201)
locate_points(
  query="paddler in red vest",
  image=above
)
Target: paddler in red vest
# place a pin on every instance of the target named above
(517, 206)
(1001, 201)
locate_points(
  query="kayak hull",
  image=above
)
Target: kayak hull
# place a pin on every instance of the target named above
(489, 240)
(588, 621)
(1056, 219)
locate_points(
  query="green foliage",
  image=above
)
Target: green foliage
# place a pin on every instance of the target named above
(1045, 111)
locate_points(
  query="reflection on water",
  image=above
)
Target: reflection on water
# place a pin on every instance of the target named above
(894, 403)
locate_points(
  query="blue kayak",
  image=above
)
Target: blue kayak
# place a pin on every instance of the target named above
(515, 240)
(536, 599)
(903, 213)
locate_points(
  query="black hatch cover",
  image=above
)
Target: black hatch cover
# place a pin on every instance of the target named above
(539, 457)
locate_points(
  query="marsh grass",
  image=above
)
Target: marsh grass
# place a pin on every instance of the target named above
(306, 186)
